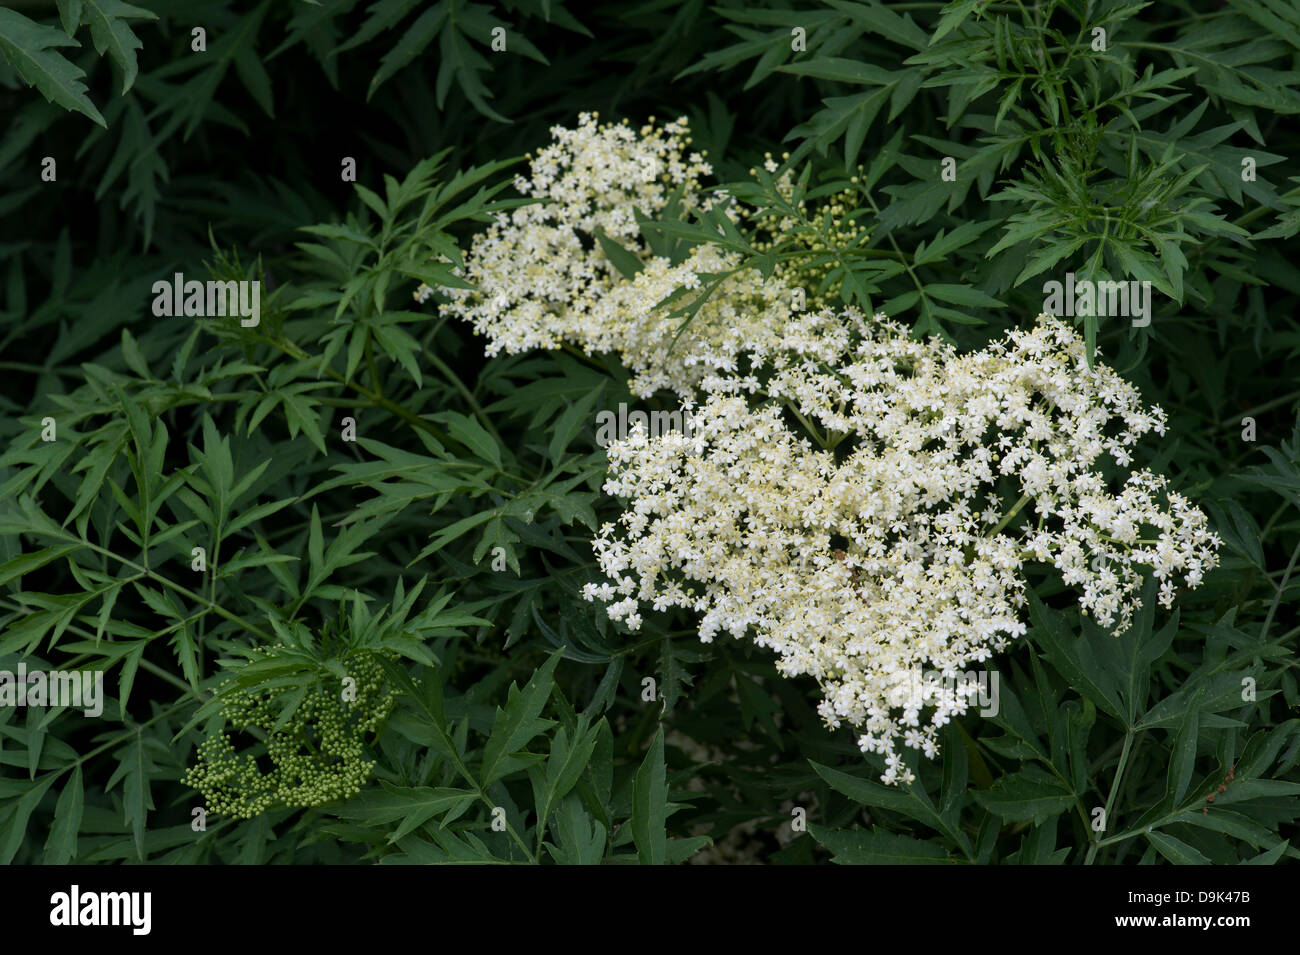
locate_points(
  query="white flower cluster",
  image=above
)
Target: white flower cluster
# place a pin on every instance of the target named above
(863, 503)
(542, 277)
(899, 545)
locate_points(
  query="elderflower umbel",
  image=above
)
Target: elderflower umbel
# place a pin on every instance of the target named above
(898, 545)
(542, 277)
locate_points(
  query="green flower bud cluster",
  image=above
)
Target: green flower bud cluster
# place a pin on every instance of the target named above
(317, 756)
(830, 225)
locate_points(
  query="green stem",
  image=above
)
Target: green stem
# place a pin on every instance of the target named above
(171, 678)
(1114, 788)
(183, 591)
(465, 393)
(375, 384)
(808, 424)
(22, 366)
(1235, 420)
(1277, 597)
(1010, 515)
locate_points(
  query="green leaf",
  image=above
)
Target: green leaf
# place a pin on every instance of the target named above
(13, 824)
(563, 768)
(954, 14)
(963, 295)
(911, 801)
(650, 805)
(135, 769)
(26, 45)
(518, 722)
(865, 792)
(414, 39)
(1073, 658)
(1014, 798)
(248, 65)
(70, 15)
(24, 564)
(473, 435)
(944, 245)
(877, 847)
(1183, 755)
(1226, 821)
(878, 18)
(625, 261)
(841, 70)
(1175, 850)
(413, 806)
(1271, 856)
(61, 846)
(679, 850)
(581, 838)
(110, 31)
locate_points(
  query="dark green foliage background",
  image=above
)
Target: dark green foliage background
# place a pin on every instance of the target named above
(175, 433)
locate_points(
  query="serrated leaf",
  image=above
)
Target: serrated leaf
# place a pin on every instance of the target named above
(135, 769)
(650, 805)
(13, 823)
(518, 722)
(1016, 798)
(413, 806)
(1175, 850)
(110, 31)
(26, 46)
(877, 847)
(414, 39)
(581, 838)
(61, 846)
(625, 261)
